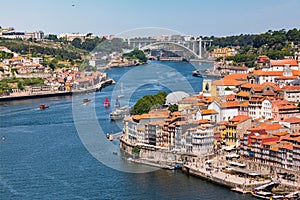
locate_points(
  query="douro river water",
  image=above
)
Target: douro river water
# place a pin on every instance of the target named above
(42, 156)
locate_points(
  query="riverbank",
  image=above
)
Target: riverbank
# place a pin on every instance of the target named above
(22, 96)
(213, 168)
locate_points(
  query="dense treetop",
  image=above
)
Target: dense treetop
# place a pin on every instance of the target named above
(148, 102)
(136, 54)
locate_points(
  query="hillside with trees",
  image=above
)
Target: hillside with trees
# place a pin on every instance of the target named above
(274, 44)
(40, 48)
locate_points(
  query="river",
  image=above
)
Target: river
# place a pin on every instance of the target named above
(43, 156)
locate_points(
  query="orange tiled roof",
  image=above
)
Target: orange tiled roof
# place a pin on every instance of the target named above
(270, 127)
(279, 134)
(274, 149)
(230, 104)
(244, 104)
(267, 73)
(223, 122)
(288, 146)
(227, 82)
(230, 96)
(240, 118)
(247, 85)
(203, 121)
(236, 76)
(286, 78)
(296, 72)
(287, 106)
(243, 94)
(255, 98)
(177, 113)
(255, 129)
(209, 112)
(269, 84)
(285, 61)
(16, 58)
(280, 101)
(270, 143)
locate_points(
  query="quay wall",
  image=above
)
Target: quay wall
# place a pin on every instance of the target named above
(148, 155)
(226, 183)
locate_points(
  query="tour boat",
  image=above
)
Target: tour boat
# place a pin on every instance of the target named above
(119, 114)
(106, 103)
(265, 192)
(43, 106)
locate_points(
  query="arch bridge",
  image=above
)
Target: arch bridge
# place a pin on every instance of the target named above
(196, 48)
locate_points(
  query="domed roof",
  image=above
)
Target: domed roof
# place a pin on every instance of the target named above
(175, 97)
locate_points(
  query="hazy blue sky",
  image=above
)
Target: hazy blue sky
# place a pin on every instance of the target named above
(194, 17)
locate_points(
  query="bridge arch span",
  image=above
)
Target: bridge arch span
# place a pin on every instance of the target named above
(167, 42)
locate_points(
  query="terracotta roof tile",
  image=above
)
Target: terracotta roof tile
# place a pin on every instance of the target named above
(267, 73)
(286, 78)
(240, 118)
(243, 94)
(270, 127)
(296, 72)
(230, 104)
(282, 62)
(209, 112)
(236, 76)
(293, 120)
(228, 82)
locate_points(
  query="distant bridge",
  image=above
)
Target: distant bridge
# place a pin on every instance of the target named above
(196, 47)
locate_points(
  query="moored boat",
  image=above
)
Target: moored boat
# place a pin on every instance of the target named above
(197, 73)
(117, 104)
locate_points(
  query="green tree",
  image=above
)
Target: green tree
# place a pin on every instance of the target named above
(135, 151)
(76, 42)
(148, 102)
(173, 108)
(52, 37)
(136, 54)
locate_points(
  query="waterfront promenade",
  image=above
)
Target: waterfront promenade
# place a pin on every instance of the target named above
(235, 182)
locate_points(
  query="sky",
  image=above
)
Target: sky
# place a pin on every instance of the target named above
(190, 17)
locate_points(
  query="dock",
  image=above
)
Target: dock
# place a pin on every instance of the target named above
(113, 136)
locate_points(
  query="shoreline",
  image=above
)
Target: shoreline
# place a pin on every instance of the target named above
(240, 184)
(95, 88)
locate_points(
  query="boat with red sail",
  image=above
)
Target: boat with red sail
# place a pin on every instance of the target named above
(106, 103)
